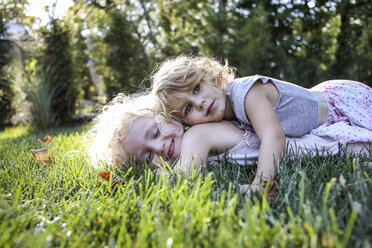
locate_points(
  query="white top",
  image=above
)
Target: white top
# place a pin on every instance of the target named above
(247, 151)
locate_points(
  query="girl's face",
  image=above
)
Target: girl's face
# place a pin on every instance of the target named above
(147, 141)
(200, 103)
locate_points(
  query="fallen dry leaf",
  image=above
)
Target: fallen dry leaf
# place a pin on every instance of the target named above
(116, 180)
(42, 155)
(47, 138)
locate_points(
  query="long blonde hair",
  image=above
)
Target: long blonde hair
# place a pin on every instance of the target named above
(179, 73)
(113, 123)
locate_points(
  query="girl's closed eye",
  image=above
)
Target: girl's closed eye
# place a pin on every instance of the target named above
(156, 132)
(149, 156)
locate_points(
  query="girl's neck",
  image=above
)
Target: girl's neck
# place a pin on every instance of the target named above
(229, 111)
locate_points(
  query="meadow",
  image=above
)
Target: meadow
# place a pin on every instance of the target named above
(323, 201)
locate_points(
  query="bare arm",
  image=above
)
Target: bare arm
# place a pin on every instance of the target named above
(268, 129)
(203, 139)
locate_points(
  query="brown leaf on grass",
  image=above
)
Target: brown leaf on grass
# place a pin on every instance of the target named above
(270, 188)
(42, 155)
(115, 181)
(47, 138)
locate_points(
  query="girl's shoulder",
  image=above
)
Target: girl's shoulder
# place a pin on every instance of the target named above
(211, 138)
(204, 130)
(248, 79)
(212, 133)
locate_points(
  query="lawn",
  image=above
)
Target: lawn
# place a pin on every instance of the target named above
(322, 201)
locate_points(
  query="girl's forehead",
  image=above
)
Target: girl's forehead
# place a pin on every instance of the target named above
(188, 86)
(175, 100)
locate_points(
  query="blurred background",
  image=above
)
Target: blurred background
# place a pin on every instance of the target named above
(61, 60)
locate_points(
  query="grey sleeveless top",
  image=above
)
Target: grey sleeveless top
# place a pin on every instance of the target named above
(296, 108)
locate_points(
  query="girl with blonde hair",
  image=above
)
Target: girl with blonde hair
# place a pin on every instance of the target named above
(128, 127)
(199, 90)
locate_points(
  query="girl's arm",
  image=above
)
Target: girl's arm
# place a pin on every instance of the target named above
(259, 109)
(209, 138)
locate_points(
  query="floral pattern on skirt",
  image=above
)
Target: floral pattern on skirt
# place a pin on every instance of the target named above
(350, 111)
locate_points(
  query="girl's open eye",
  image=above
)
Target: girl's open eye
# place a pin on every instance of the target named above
(188, 109)
(196, 89)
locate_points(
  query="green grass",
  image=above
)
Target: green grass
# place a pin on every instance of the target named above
(65, 204)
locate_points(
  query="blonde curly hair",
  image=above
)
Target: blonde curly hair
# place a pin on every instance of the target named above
(113, 123)
(183, 72)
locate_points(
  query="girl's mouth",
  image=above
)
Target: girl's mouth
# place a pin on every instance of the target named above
(171, 150)
(210, 108)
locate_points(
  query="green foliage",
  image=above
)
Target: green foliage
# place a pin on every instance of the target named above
(299, 41)
(364, 50)
(125, 63)
(253, 37)
(304, 42)
(59, 72)
(323, 201)
(350, 58)
(81, 73)
(217, 27)
(39, 93)
(180, 26)
(6, 88)
(14, 11)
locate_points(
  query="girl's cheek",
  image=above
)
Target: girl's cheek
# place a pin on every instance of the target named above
(171, 129)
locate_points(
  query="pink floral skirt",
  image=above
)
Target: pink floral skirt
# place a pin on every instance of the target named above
(350, 111)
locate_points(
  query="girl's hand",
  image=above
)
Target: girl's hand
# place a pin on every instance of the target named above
(245, 189)
(269, 188)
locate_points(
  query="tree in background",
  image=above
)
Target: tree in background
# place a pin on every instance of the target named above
(6, 90)
(253, 51)
(125, 62)
(286, 40)
(304, 42)
(364, 50)
(217, 30)
(180, 26)
(353, 41)
(58, 68)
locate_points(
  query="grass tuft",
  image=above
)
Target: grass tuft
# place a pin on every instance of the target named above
(322, 201)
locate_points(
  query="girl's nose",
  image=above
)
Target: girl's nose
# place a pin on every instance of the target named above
(158, 147)
(200, 106)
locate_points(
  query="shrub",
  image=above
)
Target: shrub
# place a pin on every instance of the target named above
(125, 58)
(6, 90)
(59, 72)
(40, 94)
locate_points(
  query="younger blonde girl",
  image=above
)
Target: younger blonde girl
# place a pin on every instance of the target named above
(129, 128)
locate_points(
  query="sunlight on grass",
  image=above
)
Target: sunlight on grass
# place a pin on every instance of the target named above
(322, 201)
(14, 132)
